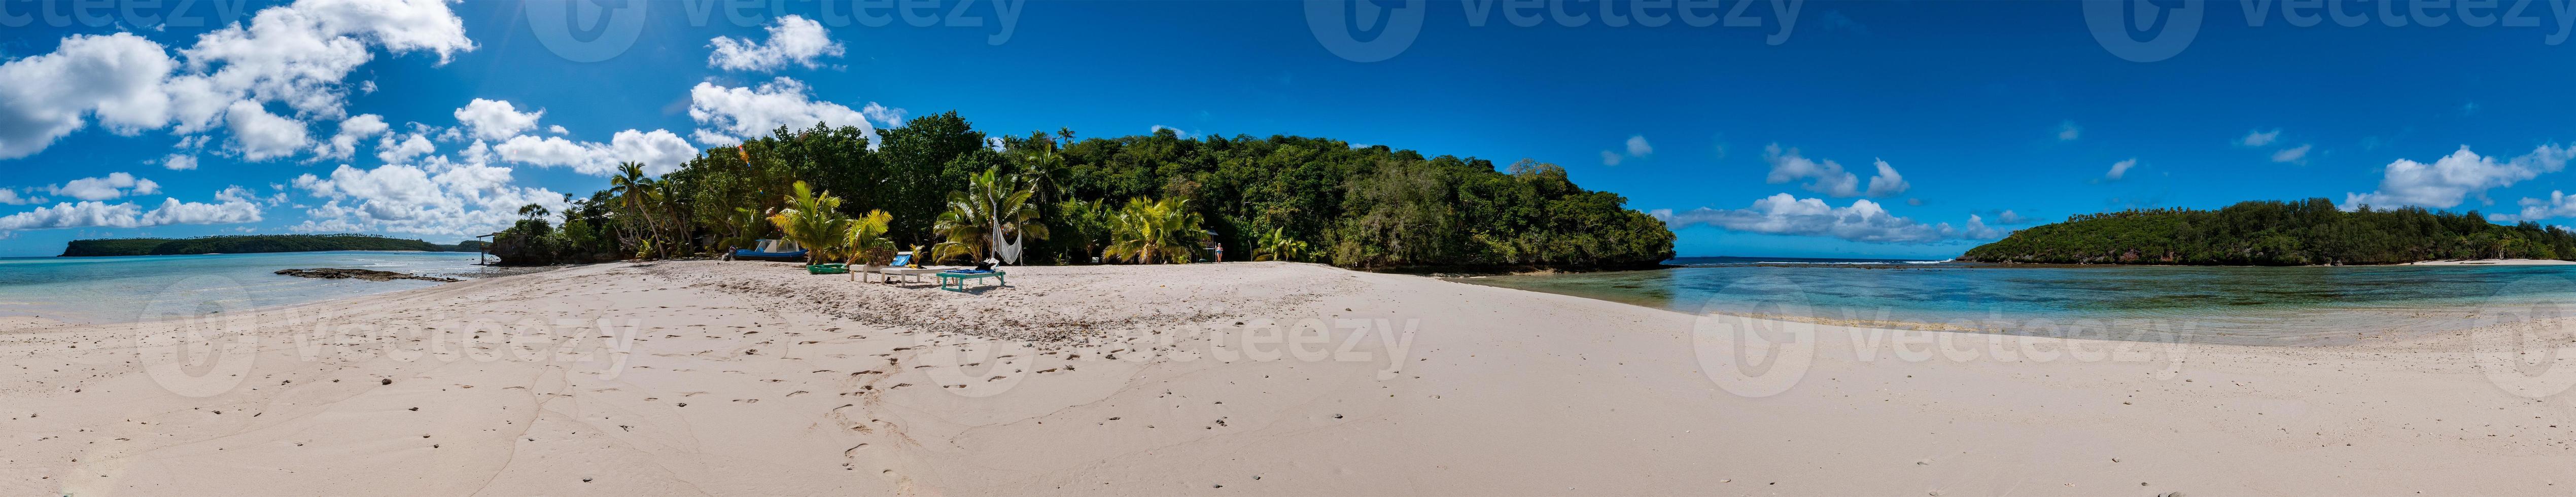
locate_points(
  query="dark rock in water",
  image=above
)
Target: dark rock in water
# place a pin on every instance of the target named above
(364, 274)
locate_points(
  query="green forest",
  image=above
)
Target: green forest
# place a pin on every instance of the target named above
(2275, 233)
(248, 244)
(940, 188)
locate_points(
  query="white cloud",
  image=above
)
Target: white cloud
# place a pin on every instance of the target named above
(1609, 158)
(1637, 146)
(891, 117)
(114, 185)
(2009, 217)
(496, 120)
(726, 116)
(1863, 221)
(2452, 178)
(12, 197)
(793, 39)
(2298, 154)
(93, 214)
(558, 129)
(458, 197)
(2120, 169)
(115, 77)
(2259, 138)
(345, 143)
(661, 152)
(2068, 131)
(2558, 205)
(259, 135)
(1829, 177)
(179, 162)
(298, 55)
(394, 152)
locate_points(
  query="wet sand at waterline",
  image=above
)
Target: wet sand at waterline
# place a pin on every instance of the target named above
(736, 378)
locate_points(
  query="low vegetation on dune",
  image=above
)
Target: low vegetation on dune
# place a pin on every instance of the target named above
(2275, 233)
(951, 193)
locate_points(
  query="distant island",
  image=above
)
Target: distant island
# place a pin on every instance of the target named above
(246, 244)
(2274, 233)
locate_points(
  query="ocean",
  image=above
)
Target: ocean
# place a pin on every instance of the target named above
(114, 289)
(2292, 306)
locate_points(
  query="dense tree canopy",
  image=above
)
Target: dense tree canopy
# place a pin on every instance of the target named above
(1372, 207)
(2273, 233)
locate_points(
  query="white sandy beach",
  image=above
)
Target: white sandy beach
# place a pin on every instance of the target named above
(2494, 262)
(755, 378)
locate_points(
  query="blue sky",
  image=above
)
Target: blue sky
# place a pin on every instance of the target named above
(1978, 108)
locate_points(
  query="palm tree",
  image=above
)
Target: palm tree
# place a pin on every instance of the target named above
(813, 221)
(533, 211)
(635, 191)
(866, 240)
(1143, 231)
(1276, 246)
(992, 207)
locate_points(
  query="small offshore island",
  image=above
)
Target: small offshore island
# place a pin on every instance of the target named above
(2273, 233)
(250, 244)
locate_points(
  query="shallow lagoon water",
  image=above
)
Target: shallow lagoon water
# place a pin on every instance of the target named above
(2242, 305)
(114, 289)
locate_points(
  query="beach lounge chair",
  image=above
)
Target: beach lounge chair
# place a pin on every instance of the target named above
(954, 280)
(898, 269)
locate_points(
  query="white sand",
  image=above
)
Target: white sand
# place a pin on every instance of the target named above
(798, 384)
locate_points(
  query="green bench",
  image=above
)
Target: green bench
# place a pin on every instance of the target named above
(957, 282)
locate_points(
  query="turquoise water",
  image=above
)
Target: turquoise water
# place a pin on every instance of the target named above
(110, 289)
(2248, 305)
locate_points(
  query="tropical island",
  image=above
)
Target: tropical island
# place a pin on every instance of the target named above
(246, 244)
(2275, 233)
(939, 188)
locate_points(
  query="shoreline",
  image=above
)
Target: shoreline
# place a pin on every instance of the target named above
(756, 378)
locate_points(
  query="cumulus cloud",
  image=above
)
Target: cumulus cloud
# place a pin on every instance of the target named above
(891, 117)
(659, 150)
(726, 115)
(495, 120)
(2297, 155)
(1862, 221)
(395, 152)
(1609, 158)
(116, 78)
(2068, 131)
(298, 55)
(2120, 169)
(94, 214)
(1829, 177)
(2558, 205)
(12, 197)
(2452, 178)
(345, 143)
(444, 196)
(1637, 146)
(2259, 138)
(792, 40)
(114, 185)
(179, 162)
